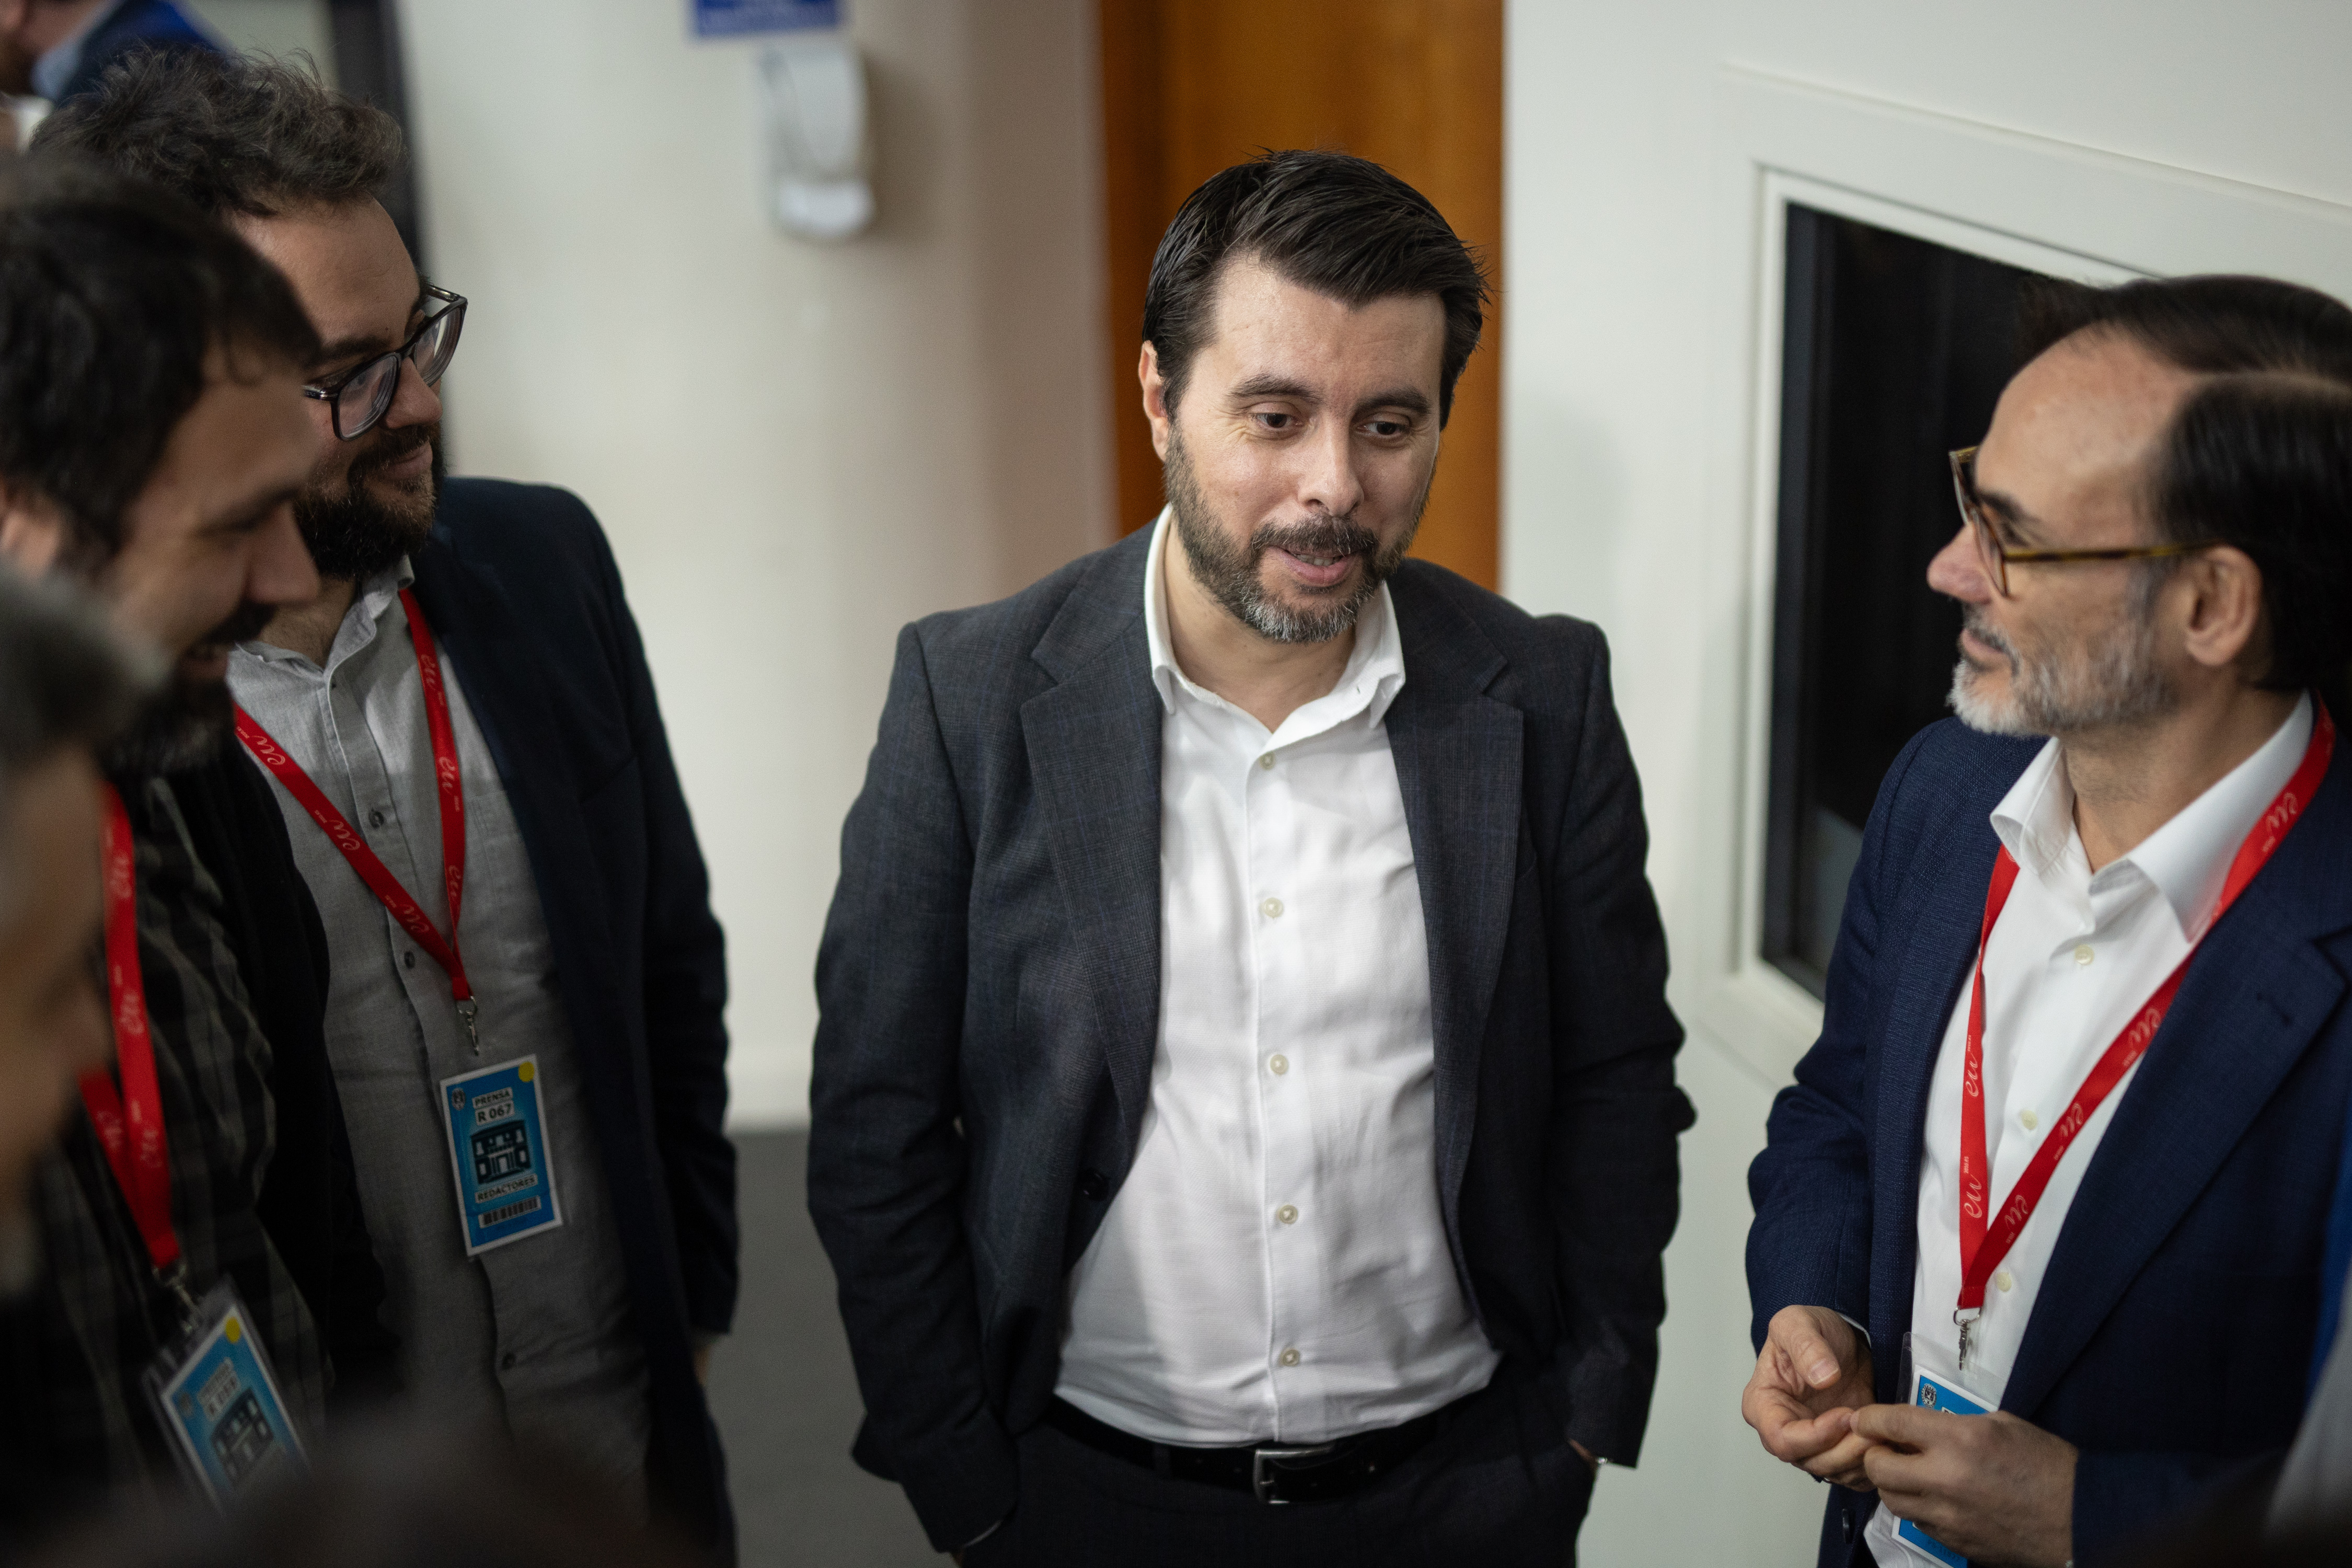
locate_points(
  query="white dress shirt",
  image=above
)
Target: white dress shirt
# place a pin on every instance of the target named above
(1275, 1266)
(2075, 954)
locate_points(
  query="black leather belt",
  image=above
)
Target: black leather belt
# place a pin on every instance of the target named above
(1272, 1473)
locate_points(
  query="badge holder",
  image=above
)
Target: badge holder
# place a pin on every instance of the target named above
(499, 1154)
(1932, 1385)
(219, 1401)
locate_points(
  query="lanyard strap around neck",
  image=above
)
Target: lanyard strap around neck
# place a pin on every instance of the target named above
(1983, 1242)
(130, 1119)
(448, 782)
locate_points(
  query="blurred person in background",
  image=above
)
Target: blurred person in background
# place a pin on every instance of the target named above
(153, 438)
(2040, 1226)
(1245, 1076)
(67, 686)
(473, 764)
(56, 49)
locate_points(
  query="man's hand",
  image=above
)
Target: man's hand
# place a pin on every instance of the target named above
(1813, 1375)
(1991, 1488)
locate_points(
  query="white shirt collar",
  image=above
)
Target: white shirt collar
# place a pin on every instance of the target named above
(1375, 672)
(2188, 860)
(59, 60)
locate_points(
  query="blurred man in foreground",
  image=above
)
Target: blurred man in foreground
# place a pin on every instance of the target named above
(2039, 1228)
(151, 441)
(66, 687)
(469, 756)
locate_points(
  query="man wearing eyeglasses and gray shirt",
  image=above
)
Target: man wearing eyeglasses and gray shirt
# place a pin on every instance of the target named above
(530, 1046)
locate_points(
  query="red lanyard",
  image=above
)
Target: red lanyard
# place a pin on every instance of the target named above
(1981, 1247)
(344, 837)
(129, 1120)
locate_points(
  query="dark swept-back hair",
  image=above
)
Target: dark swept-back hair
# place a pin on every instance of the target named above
(2259, 454)
(114, 300)
(229, 133)
(1338, 225)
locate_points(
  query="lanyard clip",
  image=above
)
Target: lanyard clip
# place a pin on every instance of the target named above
(468, 1011)
(1965, 1318)
(174, 1277)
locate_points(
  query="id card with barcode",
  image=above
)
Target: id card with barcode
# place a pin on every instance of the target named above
(499, 1154)
(219, 1401)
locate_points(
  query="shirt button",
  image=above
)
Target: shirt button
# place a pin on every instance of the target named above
(376, 819)
(2082, 956)
(2028, 1120)
(1287, 1213)
(506, 1361)
(1290, 1356)
(1277, 1064)
(1267, 761)
(2003, 1279)
(1273, 908)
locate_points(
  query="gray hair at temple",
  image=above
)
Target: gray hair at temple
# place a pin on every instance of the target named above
(66, 679)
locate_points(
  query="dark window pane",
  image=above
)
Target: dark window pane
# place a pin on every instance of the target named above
(1894, 352)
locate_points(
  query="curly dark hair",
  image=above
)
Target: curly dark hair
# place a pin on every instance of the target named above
(229, 133)
(114, 299)
(1339, 225)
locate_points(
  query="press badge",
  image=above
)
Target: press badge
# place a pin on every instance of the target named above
(497, 1151)
(1935, 1387)
(220, 1404)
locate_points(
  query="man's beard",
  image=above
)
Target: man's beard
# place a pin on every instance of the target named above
(353, 536)
(2093, 685)
(1231, 571)
(189, 718)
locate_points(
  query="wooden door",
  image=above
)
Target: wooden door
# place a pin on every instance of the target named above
(1190, 87)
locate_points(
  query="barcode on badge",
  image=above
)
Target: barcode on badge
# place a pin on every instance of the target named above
(509, 1211)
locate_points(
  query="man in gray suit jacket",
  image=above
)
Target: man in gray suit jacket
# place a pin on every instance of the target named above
(1244, 1077)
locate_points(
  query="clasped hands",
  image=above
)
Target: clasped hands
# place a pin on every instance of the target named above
(1992, 1488)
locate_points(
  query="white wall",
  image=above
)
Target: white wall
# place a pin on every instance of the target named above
(794, 448)
(1629, 379)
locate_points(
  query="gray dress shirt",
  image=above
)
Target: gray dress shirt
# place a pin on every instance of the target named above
(535, 1335)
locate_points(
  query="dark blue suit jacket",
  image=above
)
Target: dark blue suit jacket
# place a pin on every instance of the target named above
(136, 25)
(2171, 1339)
(519, 583)
(990, 993)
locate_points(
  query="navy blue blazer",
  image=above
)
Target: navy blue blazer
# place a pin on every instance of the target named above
(519, 585)
(989, 995)
(2171, 1339)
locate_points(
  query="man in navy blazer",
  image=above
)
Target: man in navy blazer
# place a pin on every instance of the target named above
(2154, 561)
(1243, 860)
(58, 49)
(471, 648)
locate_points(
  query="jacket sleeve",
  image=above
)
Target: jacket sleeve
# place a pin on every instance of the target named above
(1616, 1112)
(887, 1156)
(685, 998)
(1809, 1244)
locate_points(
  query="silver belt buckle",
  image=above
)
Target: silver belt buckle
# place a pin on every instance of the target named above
(1262, 1479)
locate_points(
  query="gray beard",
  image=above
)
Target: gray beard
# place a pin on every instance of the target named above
(2091, 686)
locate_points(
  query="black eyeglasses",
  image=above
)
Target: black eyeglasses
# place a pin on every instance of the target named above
(1996, 556)
(360, 397)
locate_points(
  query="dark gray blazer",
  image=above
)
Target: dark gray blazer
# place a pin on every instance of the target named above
(988, 986)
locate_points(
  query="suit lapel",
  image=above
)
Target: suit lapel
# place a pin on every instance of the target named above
(1933, 966)
(1093, 744)
(2257, 992)
(1459, 764)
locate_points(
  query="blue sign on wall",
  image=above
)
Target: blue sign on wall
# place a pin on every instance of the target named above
(735, 19)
